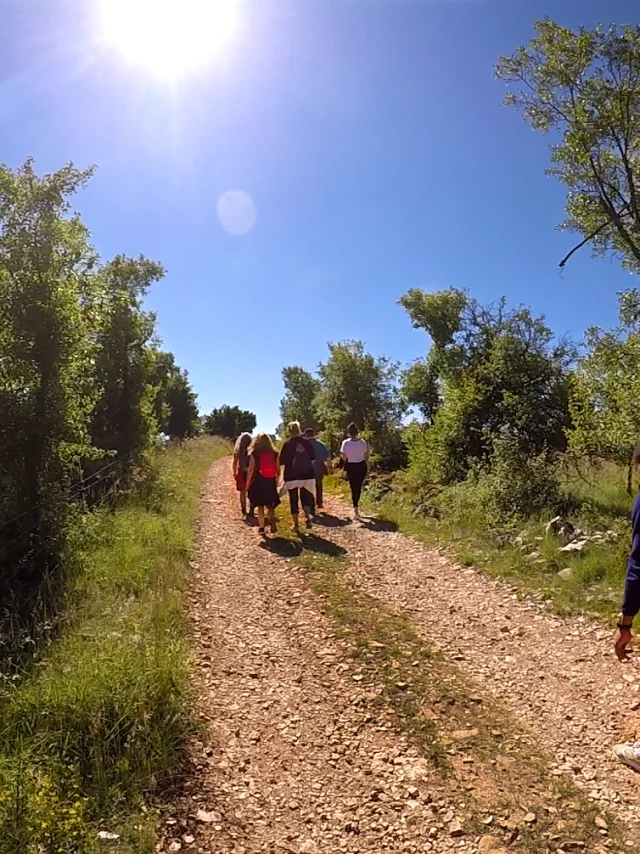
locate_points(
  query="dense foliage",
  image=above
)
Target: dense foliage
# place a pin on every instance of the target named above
(79, 379)
(494, 378)
(606, 390)
(300, 401)
(352, 385)
(229, 421)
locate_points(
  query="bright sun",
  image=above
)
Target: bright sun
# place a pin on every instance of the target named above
(169, 38)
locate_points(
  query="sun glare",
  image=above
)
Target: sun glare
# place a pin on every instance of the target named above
(169, 38)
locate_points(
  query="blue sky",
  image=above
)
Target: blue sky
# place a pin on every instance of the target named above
(370, 136)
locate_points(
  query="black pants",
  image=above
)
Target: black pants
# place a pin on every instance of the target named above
(318, 499)
(305, 497)
(356, 473)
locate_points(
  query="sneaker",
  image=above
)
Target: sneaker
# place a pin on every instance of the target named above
(308, 521)
(261, 531)
(356, 515)
(628, 754)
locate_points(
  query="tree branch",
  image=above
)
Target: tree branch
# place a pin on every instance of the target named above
(589, 237)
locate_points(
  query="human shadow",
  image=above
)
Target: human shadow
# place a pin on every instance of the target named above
(281, 546)
(313, 543)
(310, 542)
(327, 520)
(379, 525)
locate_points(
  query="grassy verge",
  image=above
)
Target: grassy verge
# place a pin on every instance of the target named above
(499, 782)
(99, 723)
(520, 554)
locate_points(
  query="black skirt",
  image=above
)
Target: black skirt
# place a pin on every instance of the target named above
(263, 492)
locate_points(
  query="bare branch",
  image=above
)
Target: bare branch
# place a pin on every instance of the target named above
(589, 237)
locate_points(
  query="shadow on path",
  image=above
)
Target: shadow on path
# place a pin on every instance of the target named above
(379, 525)
(326, 520)
(308, 542)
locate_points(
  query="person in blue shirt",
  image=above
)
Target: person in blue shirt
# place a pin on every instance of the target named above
(630, 753)
(320, 465)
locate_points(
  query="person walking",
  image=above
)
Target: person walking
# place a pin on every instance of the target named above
(241, 468)
(299, 480)
(355, 455)
(629, 753)
(320, 467)
(262, 480)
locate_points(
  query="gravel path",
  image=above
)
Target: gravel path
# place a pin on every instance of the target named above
(294, 761)
(559, 676)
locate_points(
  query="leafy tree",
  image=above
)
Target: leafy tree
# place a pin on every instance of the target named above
(229, 422)
(584, 87)
(46, 294)
(122, 420)
(421, 387)
(606, 389)
(175, 407)
(500, 376)
(358, 387)
(300, 399)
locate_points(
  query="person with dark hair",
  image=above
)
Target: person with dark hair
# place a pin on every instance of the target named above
(630, 753)
(262, 480)
(320, 467)
(297, 457)
(355, 454)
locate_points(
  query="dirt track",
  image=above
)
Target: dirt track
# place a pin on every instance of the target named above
(297, 763)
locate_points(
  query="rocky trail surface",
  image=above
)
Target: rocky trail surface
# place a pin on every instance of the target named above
(295, 758)
(559, 676)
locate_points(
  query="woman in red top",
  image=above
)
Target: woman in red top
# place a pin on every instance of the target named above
(262, 480)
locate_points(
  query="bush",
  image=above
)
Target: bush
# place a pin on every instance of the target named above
(511, 486)
(522, 485)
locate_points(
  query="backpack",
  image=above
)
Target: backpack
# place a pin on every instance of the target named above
(268, 464)
(301, 461)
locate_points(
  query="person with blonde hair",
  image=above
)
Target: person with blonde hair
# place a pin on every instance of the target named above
(297, 457)
(262, 480)
(241, 467)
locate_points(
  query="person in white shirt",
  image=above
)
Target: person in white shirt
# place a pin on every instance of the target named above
(355, 454)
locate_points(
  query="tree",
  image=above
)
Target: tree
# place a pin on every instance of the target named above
(584, 87)
(498, 375)
(606, 390)
(300, 399)
(358, 387)
(175, 406)
(229, 422)
(46, 298)
(122, 420)
(421, 387)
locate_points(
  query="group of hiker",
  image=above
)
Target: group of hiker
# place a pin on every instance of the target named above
(304, 460)
(263, 474)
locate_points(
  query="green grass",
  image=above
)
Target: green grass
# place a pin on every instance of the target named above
(598, 503)
(100, 722)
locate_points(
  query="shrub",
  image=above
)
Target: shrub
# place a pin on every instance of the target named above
(511, 486)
